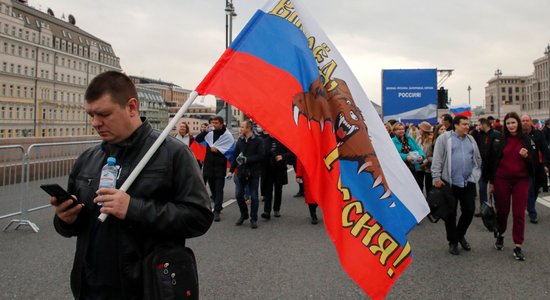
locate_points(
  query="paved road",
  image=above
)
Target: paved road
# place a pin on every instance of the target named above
(288, 258)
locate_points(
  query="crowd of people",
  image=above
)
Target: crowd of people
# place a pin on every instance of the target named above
(507, 161)
(257, 162)
(168, 203)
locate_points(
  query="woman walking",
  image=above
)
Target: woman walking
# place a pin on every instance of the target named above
(510, 163)
(426, 143)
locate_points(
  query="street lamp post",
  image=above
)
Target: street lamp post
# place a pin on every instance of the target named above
(229, 14)
(547, 52)
(469, 100)
(498, 73)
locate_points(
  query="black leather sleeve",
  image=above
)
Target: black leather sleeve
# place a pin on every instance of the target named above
(180, 208)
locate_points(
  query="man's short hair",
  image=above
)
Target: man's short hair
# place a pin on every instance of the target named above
(484, 121)
(457, 119)
(447, 117)
(490, 118)
(217, 118)
(249, 124)
(114, 83)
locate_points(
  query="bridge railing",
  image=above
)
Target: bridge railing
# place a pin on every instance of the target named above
(22, 173)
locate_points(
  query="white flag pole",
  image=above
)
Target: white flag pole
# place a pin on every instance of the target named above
(126, 185)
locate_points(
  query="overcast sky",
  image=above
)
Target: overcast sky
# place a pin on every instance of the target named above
(180, 40)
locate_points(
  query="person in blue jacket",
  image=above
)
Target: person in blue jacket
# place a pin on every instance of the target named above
(409, 150)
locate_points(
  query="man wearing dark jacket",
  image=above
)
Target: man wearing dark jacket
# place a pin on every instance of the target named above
(542, 163)
(484, 139)
(278, 157)
(167, 203)
(219, 140)
(248, 157)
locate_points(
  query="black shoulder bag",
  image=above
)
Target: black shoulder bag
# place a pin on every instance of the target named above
(442, 203)
(488, 216)
(170, 272)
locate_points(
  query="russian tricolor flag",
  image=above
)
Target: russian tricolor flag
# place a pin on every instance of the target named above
(284, 73)
(461, 110)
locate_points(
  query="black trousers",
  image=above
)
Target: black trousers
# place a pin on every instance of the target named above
(423, 179)
(269, 188)
(216, 185)
(466, 198)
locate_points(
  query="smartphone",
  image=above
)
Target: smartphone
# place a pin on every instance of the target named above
(55, 190)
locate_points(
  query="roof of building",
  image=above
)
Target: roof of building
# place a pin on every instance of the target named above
(36, 20)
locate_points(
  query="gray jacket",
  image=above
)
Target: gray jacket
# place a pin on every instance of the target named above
(441, 163)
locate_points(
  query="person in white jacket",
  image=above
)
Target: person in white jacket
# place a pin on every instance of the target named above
(457, 163)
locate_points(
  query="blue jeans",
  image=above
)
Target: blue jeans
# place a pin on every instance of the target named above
(532, 199)
(482, 191)
(251, 186)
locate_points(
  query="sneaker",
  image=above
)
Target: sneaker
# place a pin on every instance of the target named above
(216, 216)
(518, 254)
(253, 224)
(499, 244)
(299, 194)
(534, 220)
(276, 214)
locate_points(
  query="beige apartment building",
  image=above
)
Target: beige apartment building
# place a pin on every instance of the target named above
(153, 107)
(173, 95)
(46, 65)
(530, 92)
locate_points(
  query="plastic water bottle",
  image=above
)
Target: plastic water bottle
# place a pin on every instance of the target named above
(108, 175)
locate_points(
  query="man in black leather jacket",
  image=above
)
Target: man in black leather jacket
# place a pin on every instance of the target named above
(167, 202)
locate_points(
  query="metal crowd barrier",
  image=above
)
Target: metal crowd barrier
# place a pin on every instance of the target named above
(42, 163)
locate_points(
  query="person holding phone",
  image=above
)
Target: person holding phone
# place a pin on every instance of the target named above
(167, 203)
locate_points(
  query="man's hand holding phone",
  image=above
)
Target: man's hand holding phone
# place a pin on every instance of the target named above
(64, 211)
(67, 206)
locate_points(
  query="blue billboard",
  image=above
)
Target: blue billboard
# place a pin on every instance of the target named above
(409, 96)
